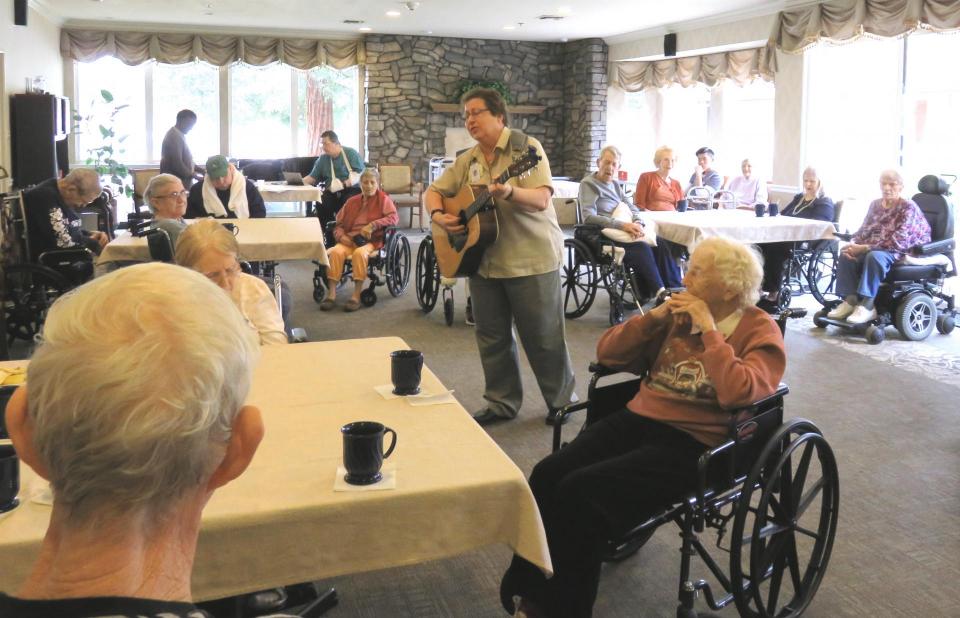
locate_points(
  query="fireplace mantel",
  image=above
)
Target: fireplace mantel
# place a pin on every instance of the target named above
(455, 108)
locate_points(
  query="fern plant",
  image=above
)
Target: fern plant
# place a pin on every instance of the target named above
(105, 158)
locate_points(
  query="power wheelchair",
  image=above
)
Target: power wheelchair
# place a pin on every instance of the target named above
(776, 482)
(390, 266)
(32, 282)
(912, 296)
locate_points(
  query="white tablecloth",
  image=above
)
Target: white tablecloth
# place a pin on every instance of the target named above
(289, 193)
(281, 238)
(281, 522)
(688, 228)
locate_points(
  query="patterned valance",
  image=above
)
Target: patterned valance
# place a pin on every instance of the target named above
(839, 20)
(740, 66)
(134, 48)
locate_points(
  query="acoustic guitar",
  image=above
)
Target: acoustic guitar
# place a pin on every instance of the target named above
(458, 255)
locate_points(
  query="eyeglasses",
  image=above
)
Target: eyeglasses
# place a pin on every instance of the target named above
(473, 113)
(175, 195)
(228, 273)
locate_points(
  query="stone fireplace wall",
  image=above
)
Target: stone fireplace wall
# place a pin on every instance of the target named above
(405, 74)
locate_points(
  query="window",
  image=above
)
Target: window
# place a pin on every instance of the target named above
(746, 127)
(327, 99)
(125, 85)
(193, 86)
(260, 107)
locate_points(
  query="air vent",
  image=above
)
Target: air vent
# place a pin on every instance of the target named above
(551, 17)
(353, 21)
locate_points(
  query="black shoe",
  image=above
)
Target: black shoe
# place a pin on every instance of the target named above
(770, 306)
(552, 417)
(488, 417)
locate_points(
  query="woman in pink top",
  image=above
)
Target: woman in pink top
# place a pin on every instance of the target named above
(657, 190)
(359, 234)
(705, 352)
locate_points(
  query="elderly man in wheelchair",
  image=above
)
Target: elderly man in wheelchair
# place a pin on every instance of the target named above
(706, 354)
(366, 237)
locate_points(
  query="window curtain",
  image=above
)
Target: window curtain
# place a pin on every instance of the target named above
(741, 66)
(134, 48)
(840, 20)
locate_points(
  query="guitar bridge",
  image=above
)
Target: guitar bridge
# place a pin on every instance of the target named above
(457, 241)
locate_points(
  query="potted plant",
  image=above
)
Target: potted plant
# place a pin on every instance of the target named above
(467, 85)
(101, 118)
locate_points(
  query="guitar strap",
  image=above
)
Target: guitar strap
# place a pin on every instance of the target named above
(518, 140)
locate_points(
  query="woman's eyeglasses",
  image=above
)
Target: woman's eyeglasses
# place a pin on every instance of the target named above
(175, 195)
(473, 113)
(228, 273)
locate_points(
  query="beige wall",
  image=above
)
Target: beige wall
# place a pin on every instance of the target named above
(28, 51)
(789, 104)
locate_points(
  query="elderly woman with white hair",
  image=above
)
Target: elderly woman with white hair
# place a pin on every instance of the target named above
(211, 249)
(167, 200)
(132, 454)
(704, 352)
(893, 226)
(657, 190)
(749, 188)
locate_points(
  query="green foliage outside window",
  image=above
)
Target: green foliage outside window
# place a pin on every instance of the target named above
(101, 118)
(467, 85)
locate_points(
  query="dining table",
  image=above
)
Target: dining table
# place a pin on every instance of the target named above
(278, 191)
(690, 227)
(267, 239)
(448, 488)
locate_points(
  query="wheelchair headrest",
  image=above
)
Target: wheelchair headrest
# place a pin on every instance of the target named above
(933, 184)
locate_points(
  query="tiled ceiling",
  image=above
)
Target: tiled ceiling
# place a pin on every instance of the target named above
(532, 20)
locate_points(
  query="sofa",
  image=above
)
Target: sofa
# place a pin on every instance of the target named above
(272, 169)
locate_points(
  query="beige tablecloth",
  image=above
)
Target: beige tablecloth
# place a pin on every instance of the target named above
(282, 238)
(281, 522)
(688, 228)
(289, 193)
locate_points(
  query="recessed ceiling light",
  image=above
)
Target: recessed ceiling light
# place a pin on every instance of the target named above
(508, 27)
(393, 13)
(564, 10)
(353, 21)
(364, 28)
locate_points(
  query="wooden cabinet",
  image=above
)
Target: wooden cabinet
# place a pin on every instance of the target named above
(39, 126)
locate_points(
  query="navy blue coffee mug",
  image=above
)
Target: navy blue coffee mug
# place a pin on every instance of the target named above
(363, 452)
(681, 205)
(760, 209)
(774, 209)
(9, 478)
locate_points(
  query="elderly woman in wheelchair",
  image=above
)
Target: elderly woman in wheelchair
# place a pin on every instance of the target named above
(359, 234)
(206, 246)
(167, 200)
(705, 351)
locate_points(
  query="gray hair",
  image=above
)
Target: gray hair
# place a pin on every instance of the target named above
(135, 388)
(156, 186)
(612, 150)
(739, 266)
(369, 171)
(893, 175)
(202, 236)
(84, 180)
(812, 170)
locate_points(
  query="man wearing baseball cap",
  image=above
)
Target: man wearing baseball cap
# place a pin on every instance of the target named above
(225, 193)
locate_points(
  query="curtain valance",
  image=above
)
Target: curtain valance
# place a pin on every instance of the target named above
(218, 49)
(839, 20)
(741, 66)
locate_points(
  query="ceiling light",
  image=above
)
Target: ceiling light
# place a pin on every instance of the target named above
(551, 17)
(509, 27)
(411, 6)
(564, 10)
(353, 21)
(364, 28)
(393, 13)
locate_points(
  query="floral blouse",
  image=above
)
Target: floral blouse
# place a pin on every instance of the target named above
(894, 229)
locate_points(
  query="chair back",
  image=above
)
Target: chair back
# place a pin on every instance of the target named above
(302, 165)
(141, 178)
(837, 209)
(396, 178)
(158, 242)
(935, 206)
(268, 169)
(567, 210)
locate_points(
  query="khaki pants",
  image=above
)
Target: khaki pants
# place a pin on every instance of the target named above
(360, 256)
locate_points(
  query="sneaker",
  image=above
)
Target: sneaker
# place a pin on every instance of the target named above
(468, 319)
(862, 315)
(842, 311)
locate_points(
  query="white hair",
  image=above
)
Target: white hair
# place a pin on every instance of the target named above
(738, 266)
(612, 150)
(135, 388)
(84, 180)
(893, 175)
(155, 187)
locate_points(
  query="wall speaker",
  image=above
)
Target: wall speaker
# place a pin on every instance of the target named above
(20, 12)
(670, 44)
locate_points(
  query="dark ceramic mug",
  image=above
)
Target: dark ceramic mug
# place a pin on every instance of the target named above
(760, 209)
(9, 478)
(363, 452)
(405, 368)
(773, 209)
(681, 205)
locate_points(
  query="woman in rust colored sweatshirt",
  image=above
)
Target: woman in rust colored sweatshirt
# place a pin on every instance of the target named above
(705, 352)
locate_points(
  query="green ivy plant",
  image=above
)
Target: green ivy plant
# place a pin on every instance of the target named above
(467, 85)
(101, 118)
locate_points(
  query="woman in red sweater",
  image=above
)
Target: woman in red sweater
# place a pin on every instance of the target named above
(359, 234)
(657, 190)
(705, 352)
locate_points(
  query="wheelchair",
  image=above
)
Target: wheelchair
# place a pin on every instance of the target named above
(430, 284)
(771, 491)
(30, 287)
(390, 266)
(589, 260)
(912, 296)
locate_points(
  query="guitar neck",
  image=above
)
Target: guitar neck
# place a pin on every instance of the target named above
(470, 211)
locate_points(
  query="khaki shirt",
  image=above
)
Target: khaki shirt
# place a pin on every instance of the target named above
(530, 243)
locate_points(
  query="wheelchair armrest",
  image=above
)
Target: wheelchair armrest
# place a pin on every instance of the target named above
(601, 370)
(842, 236)
(934, 248)
(560, 419)
(61, 256)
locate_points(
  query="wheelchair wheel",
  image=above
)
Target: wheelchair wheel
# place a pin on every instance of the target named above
(398, 265)
(916, 316)
(784, 524)
(368, 297)
(30, 289)
(874, 334)
(945, 323)
(319, 293)
(578, 282)
(822, 272)
(428, 276)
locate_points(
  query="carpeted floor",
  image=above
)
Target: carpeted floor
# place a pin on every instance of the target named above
(889, 413)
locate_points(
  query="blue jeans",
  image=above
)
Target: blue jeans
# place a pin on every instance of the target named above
(864, 274)
(667, 263)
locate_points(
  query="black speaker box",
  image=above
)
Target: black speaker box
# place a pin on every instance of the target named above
(670, 44)
(20, 12)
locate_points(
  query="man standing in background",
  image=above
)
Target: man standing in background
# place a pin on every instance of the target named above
(175, 156)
